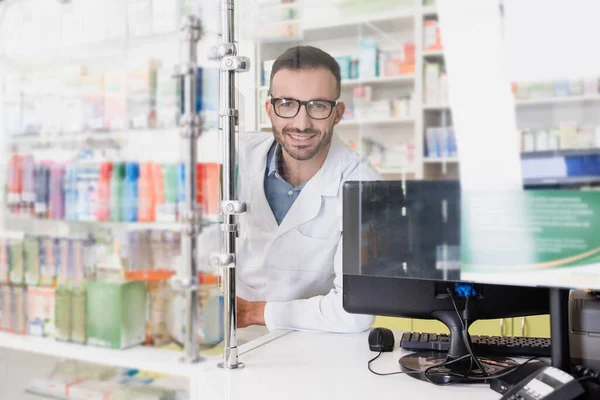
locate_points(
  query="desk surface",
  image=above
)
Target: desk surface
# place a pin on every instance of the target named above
(303, 365)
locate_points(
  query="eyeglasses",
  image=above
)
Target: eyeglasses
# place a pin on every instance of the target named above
(316, 109)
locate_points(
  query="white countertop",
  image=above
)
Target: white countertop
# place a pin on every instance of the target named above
(302, 365)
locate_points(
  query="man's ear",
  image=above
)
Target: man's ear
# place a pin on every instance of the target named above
(268, 108)
(340, 108)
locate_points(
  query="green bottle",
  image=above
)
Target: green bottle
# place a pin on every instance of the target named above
(117, 180)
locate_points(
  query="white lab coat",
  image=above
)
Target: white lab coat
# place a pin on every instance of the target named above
(296, 267)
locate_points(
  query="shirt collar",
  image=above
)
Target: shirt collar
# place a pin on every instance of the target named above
(274, 159)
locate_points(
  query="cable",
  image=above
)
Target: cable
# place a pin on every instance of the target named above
(505, 372)
(379, 373)
(465, 331)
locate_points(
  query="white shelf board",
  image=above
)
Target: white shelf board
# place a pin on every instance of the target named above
(434, 107)
(559, 100)
(440, 160)
(380, 80)
(430, 11)
(145, 358)
(381, 122)
(390, 21)
(396, 171)
(433, 53)
(107, 224)
(99, 135)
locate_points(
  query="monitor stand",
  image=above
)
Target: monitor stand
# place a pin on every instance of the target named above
(559, 329)
(442, 367)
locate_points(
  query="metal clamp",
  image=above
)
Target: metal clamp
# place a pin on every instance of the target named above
(234, 207)
(222, 259)
(191, 28)
(192, 225)
(230, 227)
(235, 63)
(181, 284)
(191, 120)
(190, 132)
(229, 112)
(222, 50)
(183, 69)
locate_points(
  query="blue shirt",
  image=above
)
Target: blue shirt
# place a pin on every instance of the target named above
(280, 194)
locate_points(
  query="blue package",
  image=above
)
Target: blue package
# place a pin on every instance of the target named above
(130, 192)
(368, 59)
(562, 87)
(345, 63)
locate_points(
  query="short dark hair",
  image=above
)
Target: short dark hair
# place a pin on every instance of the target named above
(306, 57)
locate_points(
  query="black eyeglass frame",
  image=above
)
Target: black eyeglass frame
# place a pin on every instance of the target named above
(303, 103)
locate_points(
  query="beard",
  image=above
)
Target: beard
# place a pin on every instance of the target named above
(321, 140)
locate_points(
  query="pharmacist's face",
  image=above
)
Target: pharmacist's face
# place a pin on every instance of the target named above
(302, 136)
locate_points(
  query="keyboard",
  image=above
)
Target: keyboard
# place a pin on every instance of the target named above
(481, 345)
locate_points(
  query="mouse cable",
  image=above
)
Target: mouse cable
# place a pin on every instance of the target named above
(410, 372)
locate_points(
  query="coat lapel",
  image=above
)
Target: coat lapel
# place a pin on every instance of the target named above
(326, 182)
(258, 204)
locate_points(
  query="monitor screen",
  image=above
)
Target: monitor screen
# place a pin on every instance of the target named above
(502, 187)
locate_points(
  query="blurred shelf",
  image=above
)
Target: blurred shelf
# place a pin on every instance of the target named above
(560, 153)
(396, 171)
(433, 54)
(91, 135)
(443, 160)
(381, 122)
(140, 357)
(380, 80)
(363, 24)
(430, 11)
(439, 107)
(84, 52)
(109, 224)
(570, 180)
(588, 98)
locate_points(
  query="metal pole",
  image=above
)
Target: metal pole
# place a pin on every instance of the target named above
(191, 127)
(230, 206)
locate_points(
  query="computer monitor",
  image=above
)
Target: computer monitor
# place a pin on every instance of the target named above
(401, 258)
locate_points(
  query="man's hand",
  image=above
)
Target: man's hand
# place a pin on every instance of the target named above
(250, 313)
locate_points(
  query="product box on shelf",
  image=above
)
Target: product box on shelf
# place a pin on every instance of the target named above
(168, 93)
(141, 93)
(32, 106)
(116, 314)
(266, 76)
(72, 107)
(31, 260)
(4, 261)
(5, 321)
(17, 268)
(13, 104)
(115, 100)
(432, 37)
(368, 57)
(41, 308)
(432, 83)
(345, 63)
(18, 301)
(47, 261)
(92, 90)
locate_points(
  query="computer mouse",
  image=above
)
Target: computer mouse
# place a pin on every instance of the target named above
(381, 339)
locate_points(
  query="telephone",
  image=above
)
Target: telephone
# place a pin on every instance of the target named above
(547, 383)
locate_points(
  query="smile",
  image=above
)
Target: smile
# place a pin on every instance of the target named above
(301, 138)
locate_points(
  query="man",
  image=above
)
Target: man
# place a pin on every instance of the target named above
(290, 247)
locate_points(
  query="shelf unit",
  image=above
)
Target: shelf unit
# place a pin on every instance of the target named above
(339, 36)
